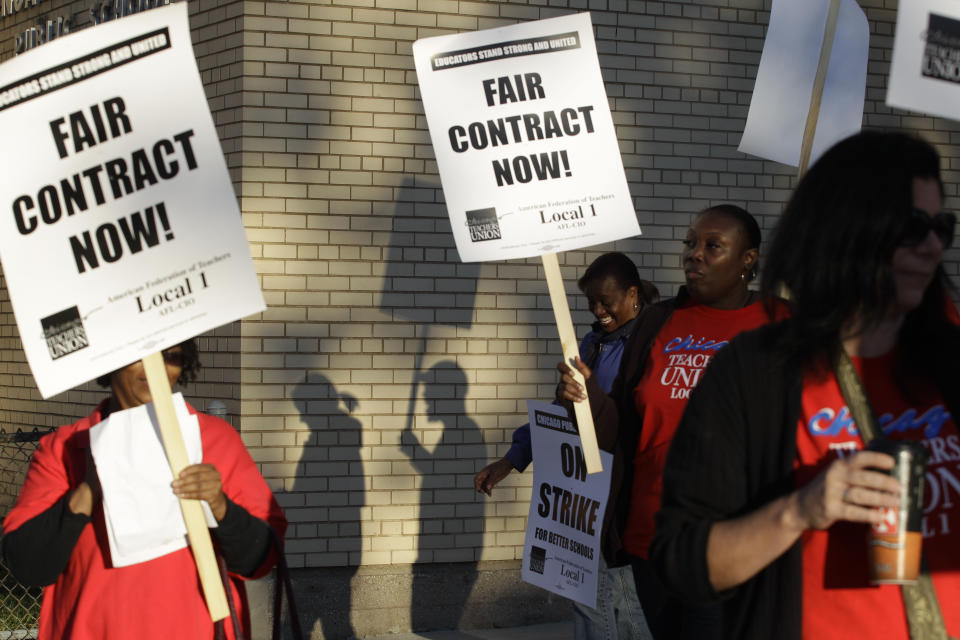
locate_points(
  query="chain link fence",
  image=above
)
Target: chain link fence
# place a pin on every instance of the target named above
(19, 605)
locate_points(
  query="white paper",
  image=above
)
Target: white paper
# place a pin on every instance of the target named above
(142, 514)
(925, 71)
(549, 178)
(788, 68)
(103, 271)
(561, 552)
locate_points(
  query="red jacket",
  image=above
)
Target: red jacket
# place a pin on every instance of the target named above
(161, 598)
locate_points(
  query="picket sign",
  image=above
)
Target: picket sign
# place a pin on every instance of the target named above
(810, 129)
(813, 114)
(562, 555)
(568, 341)
(810, 84)
(923, 70)
(187, 270)
(527, 195)
(197, 532)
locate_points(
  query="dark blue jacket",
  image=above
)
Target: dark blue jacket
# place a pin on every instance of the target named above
(601, 352)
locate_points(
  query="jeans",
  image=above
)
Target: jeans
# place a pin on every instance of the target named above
(618, 615)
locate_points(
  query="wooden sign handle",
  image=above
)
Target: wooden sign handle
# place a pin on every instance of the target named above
(813, 114)
(568, 340)
(197, 531)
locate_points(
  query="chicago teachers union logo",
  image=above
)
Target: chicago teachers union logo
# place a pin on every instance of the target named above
(941, 56)
(483, 224)
(538, 558)
(64, 333)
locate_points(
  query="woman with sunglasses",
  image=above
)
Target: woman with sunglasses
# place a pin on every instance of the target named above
(767, 492)
(55, 536)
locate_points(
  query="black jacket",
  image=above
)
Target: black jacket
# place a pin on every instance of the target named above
(617, 409)
(733, 452)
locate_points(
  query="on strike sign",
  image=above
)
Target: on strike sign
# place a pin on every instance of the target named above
(121, 234)
(561, 551)
(524, 139)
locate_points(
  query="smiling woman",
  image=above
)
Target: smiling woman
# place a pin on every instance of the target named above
(616, 296)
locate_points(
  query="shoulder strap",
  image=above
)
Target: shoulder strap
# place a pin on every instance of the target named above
(857, 402)
(283, 583)
(219, 628)
(920, 599)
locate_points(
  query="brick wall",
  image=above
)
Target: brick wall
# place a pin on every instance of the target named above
(385, 373)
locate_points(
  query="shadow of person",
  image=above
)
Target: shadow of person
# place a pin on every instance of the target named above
(330, 479)
(451, 518)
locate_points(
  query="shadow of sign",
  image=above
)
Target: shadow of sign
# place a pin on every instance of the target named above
(425, 284)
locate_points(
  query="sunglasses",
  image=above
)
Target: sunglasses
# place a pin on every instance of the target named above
(920, 223)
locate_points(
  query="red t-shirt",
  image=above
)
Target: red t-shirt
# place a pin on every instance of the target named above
(678, 358)
(838, 601)
(952, 314)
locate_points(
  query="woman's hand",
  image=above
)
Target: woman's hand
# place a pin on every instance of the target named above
(569, 388)
(202, 482)
(850, 489)
(490, 475)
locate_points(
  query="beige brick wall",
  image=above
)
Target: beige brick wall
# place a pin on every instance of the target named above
(373, 323)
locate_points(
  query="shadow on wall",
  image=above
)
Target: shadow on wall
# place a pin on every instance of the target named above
(424, 283)
(331, 479)
(451, 520)
(427, 286)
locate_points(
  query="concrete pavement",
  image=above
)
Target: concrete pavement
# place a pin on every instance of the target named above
(552, 631)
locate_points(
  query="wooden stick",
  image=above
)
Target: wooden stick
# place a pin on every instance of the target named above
(829, 32)
(568, 340)
(197, 531)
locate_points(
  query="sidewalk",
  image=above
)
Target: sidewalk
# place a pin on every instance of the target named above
(553, 631)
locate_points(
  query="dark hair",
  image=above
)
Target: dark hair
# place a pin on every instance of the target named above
(191, 365)
(649, 292)
(833, 248)
(748, 224)
(615, 264)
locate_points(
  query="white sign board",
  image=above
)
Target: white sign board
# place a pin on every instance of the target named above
(121, 234)
(785, 79)
(561, 552)
(925, 71)
(524, 140)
